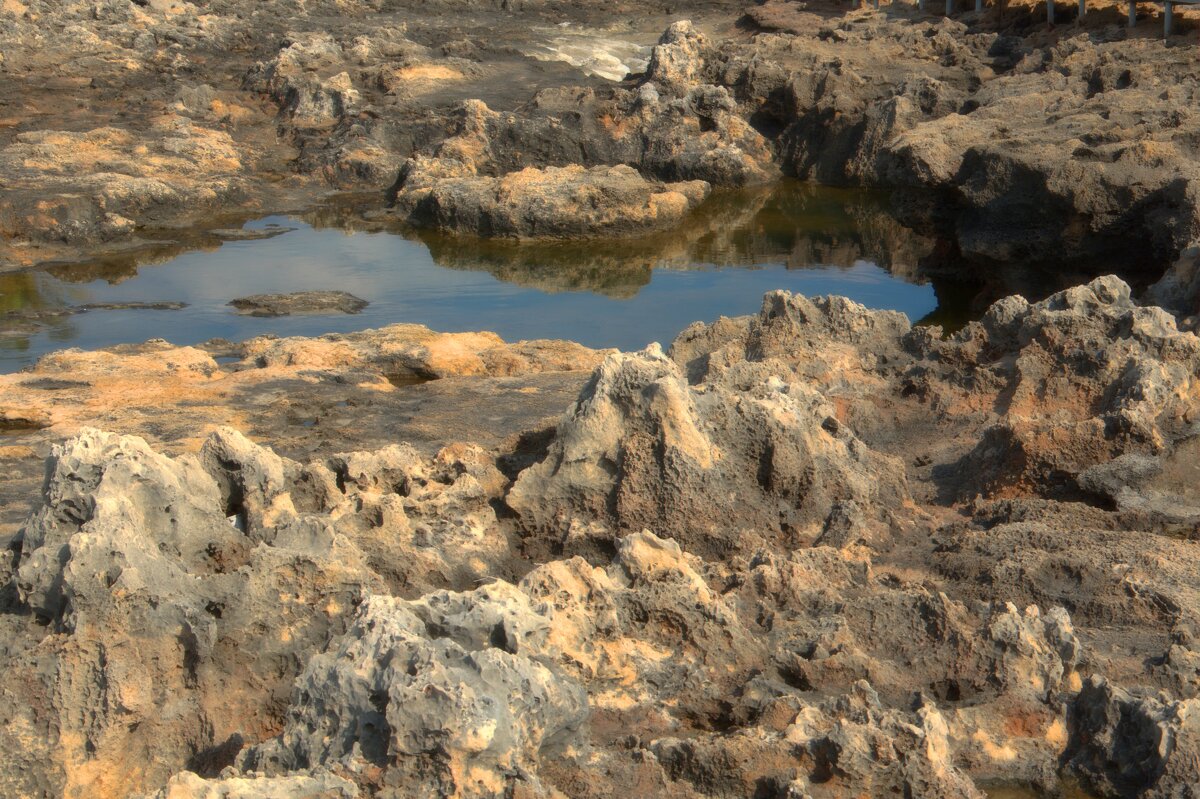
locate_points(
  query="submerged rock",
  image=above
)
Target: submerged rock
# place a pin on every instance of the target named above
(299, 302)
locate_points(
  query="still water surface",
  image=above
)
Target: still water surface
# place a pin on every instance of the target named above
(604, 294)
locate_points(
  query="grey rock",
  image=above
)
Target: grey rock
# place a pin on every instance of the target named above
(299, 302)
(642, 448)
(677, 61)
(439, 691)
(1123, 742)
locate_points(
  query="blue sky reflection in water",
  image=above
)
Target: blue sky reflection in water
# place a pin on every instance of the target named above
(603, 294)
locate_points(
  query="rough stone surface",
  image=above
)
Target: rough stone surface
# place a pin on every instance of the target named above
(1013, 143)
(557, 202)
(642, 448)
(813, 552)
(746, 567)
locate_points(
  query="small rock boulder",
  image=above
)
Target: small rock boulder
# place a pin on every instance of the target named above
(299, 302)
(555, 202)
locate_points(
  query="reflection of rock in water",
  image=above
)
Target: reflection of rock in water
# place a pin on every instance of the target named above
(794, 224)
(803, 225)
(564, 266)
(118, 267)
(29, 304)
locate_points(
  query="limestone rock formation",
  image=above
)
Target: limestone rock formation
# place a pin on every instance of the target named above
(1131, 743)
(444, 695)
(642, 448)
(1077, 380)
(700, 580)
(200, 585)
(556, 202)
(187, 785)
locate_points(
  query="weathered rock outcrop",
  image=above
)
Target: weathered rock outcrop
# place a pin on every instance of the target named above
(1127, 743)
(187, 785)
(556, 202)
(444, 694)
(642, 448)
(189, 591)
(745, 567)
(1076, 380)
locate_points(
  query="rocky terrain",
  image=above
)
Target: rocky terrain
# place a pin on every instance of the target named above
(1012, 142)
(811, 552)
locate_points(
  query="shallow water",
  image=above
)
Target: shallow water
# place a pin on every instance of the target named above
(604, 294)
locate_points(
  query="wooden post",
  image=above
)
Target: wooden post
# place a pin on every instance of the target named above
(1082, 8)
(1050, 11)
(1168, 18)
(1132, 13)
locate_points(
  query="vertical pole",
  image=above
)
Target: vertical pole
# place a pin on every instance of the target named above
(978, 6)
(1082, 8)
(921, 6)
(949, 7)
(1132, 13)
(1050, 11)
(1168, 18)
(876, 4)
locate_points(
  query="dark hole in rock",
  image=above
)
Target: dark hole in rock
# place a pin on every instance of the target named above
(947, 690)
(531, 447)
(191, 655)
(209, 762)
(374, 738)
(793, 676)
(499, 639)
(403, 379)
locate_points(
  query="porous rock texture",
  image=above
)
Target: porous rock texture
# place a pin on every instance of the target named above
(642, 449)
(790, 556)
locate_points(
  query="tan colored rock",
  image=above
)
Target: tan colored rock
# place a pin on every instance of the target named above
(566, 202)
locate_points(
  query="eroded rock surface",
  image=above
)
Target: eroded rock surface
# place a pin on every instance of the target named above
(1014, 144)
(557, 202)
(792, 556)
(643, 449)
(814, 552)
